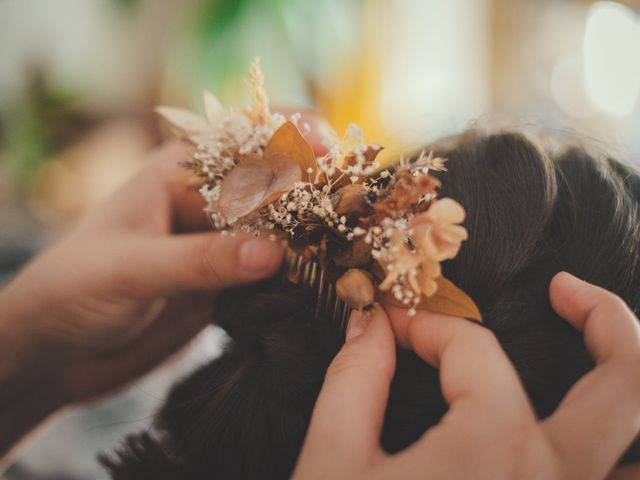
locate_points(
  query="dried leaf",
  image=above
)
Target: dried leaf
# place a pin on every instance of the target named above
(357, 255)
(448, 300)
(405, 192)
(352, 201)
(183, 123)
(213, 109)
(370, 155)
(288, 141)
(254, 183)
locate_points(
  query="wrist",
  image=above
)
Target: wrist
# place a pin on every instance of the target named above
(29, 392)
(18, 346)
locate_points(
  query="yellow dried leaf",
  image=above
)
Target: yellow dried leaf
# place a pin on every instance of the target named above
(448, 300)
(254, 183)
(288, 141)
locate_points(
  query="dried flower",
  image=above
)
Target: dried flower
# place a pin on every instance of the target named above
(257, 172)
(436, 231)
(255, 183)
(406, 190)
(353, 201)
(412, 255)
(259, 112)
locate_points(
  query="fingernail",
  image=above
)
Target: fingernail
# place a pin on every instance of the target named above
(358, 322)
(259, 255)
(571, 277)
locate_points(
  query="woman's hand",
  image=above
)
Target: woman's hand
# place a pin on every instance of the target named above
(490, 430)
(119, 294)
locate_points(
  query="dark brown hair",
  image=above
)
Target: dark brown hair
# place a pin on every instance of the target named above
(245, 414)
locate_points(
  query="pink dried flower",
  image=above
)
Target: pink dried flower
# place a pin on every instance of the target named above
(436, 231)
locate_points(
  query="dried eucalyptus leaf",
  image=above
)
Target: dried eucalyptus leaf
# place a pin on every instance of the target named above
(183, 123)
(288, 141)
(448, 300)
(254, 183)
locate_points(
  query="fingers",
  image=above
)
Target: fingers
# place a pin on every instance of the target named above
(474, 371)
(610, 328)
(185, 202)
(182, 319)
(625, 472)
(605, 403)
(489, 416)
(167, 178)
(164, 197)
(200, 261)
(188, 206)
(147, 198)
(348, 415)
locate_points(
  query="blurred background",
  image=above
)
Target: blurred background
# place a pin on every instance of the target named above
(79, 80)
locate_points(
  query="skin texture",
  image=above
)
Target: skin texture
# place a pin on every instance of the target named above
(101, 308)
(126, 289)
(490, 423)
(130, 286)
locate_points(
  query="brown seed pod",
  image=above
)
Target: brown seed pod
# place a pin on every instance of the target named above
(357, 255)
(355, 288)
(352, 201)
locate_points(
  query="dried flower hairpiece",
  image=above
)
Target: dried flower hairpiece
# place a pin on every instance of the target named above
(364, 226)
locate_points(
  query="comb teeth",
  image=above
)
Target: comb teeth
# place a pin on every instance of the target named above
(310, 273)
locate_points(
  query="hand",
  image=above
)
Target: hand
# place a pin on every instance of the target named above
(118, 295)
(490, 430)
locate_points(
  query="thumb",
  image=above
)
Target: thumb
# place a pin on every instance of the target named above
(202, 261)
(348, 415)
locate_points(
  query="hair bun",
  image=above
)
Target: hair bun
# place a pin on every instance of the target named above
(508, 187)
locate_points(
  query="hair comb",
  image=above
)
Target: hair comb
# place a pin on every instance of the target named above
(355, 231)
(298, 270)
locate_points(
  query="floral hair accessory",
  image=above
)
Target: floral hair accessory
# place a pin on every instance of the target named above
(369, 229)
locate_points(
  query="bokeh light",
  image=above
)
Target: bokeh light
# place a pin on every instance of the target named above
(612, 57)
(79, 80)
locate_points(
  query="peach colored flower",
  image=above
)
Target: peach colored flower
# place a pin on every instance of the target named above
(435, 236)
(436, 233)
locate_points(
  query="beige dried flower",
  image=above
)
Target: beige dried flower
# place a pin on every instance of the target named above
(412, 257)
(436, 231)
(258, 173)
(259, 111)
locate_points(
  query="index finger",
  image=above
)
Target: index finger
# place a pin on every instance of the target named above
(605, 403)
(610, 329)
(474, 370)
(348, 414)
(158, 196)
(185, 202)
(488, 409)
